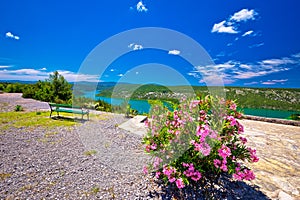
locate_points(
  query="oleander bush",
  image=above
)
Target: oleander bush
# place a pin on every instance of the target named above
(197, 142)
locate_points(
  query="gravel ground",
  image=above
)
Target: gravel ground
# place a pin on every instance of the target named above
(8, 102)
(43, 163)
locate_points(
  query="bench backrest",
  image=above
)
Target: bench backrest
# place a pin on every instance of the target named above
(64, 106)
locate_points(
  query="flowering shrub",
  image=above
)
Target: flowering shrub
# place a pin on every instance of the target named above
(197, 141)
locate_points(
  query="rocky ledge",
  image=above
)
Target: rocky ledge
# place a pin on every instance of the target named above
(278, 146)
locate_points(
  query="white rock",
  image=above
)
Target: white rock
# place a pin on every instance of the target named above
(284, 196)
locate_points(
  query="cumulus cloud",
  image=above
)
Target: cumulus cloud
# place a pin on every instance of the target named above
(174, 52)
(120, 75)
(231, 25)
(135, 47)
(140, 7)
(222, 27)
(10, 35)
(243, 15)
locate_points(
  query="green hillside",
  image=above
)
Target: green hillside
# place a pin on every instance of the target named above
(268, 98)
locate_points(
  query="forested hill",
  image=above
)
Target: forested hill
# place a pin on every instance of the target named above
(270, 98)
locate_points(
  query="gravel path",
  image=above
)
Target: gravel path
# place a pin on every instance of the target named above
(43, 163)
(8, 102)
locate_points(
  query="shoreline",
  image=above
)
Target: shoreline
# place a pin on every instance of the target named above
(272, 120)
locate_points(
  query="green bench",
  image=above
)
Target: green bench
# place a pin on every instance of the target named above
(66, 108)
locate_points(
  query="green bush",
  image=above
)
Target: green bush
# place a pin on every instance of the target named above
(18, 108)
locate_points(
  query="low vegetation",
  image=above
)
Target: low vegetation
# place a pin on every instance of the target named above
(31, 119)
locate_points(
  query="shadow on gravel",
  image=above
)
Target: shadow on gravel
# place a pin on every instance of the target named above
(70, 119)
(225, 189)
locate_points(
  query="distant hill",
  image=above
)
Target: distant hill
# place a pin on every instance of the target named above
(17, 81)
(269, 98)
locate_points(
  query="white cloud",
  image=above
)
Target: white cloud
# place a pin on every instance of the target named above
(43, 69)
(4, 66)
(297, 55)
(231, 25)
(77, 77)
(174, 52)
(276, 62)
(120, 75)
(251, 83)
(232, 71)
(194, 74)
(222, 27)
(247, 33)
(10, 35)
(140, 7)
(112, 70)
(135, 47)
(243, 15)
(35, 75)
(256, 45)
(273, 82)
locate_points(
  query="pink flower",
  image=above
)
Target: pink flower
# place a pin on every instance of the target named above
(244, 140)
(245, 174)
(249, 175)
(153, 146)
(240, 128)
(224, 152)
(147, 123)
(194, 104)
(156, 162)
(238, 176)
(177, 132)
(232, 120)
(185, 164)
(145, 170)
(172, 179)
(253, 156)
(196, 176)
(203, 132)
(217, 163)
(224, 167)
(168, 171)
(179, 183)
(232, 106)
(157, 174)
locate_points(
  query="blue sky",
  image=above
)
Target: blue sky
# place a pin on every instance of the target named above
(253, 43)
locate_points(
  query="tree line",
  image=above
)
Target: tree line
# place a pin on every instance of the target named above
(54, 89)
